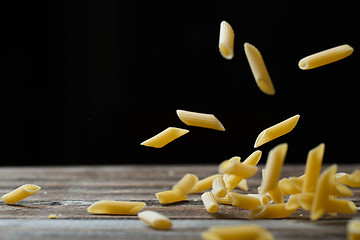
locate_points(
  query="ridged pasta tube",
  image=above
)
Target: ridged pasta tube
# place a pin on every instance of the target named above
(259, 69)
(226, 40)
(155, 220)
(116, 207)
(325, 57)
(20, 193)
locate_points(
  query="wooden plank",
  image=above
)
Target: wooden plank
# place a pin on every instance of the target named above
(68, 191)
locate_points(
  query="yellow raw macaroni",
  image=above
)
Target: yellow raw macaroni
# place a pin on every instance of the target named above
(353, 229)
(52, 216)
(351, 180)
(336, 205)
(244, 201)
(204, 184)
(164, 137)
(155, 220)
(170, 196)
(243, 185)
(20, 193)
(231, 181)
(313, 168)
(116, 207)
(186, 183)
(254, 158)
(236, 232)
(218, 187)
(288, 187)
(273, 167)
(200, 120)
(259, 69)
(322, 192)
(277, 210)
(224, 200)
(325, 57)
(276, 131)
(240, 169)
(226, 40)
(210, 202)
(276, 194)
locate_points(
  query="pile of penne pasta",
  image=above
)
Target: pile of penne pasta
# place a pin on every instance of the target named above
(315, 191)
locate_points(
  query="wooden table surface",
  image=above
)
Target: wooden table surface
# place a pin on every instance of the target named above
(68, 191)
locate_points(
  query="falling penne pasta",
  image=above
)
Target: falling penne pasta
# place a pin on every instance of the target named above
(353, 229)
(322, 192)
(116, 207)
(200, 120)
(164, 137)
(288, 187)
(254, 158)
(313, 168)
(226, 40)
(273, 167)
(20, 193)
(351, 180)
(204, 184)
(237, 232)
(186, 183)
(240, 169)
(259, 69)
(276, 195)
(155, 220)
(218, 187)
(325, 57)
(210, 203)
(336, 205)
(276, 131)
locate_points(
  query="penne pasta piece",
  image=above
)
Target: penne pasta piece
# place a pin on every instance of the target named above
(340, 206)
(226, 40)
(116, 207)
(325, 57)
(164, 137)
(351, 180)
(293, 203)
(204, 184)
(52, 216)
(313, 168)
(340, 190)
(259, 69)
(186, 183)
(155, 220)
(243, 185)
(306, 200)
(244, 201)
(218, 187)
(277, 210)
(240, 169)
(264, 199)
(210, 203)
(276, 194)
(355, 177)
(200, 120)
(224, 200)
(237, 232)
(254, 158)
(231, 181)
(276, 131)
(353, 229)
(170, 196)
(273, 167)
(20, 193)
(322, 192)
(288, 187)
(223, 165)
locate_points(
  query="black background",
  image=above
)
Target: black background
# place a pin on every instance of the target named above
(87, 82)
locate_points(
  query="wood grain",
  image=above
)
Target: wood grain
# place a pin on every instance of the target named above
(68, 191)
